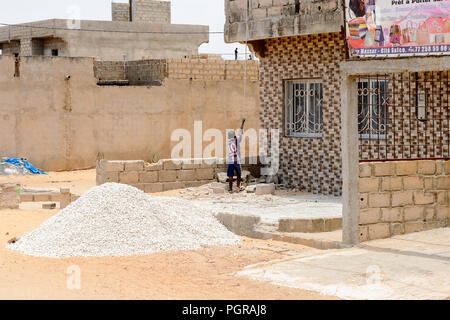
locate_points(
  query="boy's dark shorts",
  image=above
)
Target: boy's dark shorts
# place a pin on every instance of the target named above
(232, 168)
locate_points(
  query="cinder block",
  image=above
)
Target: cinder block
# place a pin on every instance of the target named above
(148, 177)
(442, 198)
(369, 184)
(205, 174)
(426, 167)
(413, 183)
(129, 177)
(208, 163)
(364, 233)
(187, 175)
(428, 183)
(379, 231)
(382, 169)
(391, 184)
(26, 197)
(190, 164)
(391, 215)
(41, 197)
(406, 168)
(110, 176)
(168, 175)
(447, 167)
(442, 183)
(170, 164)
(421, 197)
(262, 189)
(430, 213)
(413, 213)
(379, 200)
(153, 187)
(134, 165)
(153, 166)
(364, 200)
(397, 229)
(369, 216)
(443, 212)
(365, 170)
(111, 166)
(49, 206)
(56, 197)
(195, 184)
(173, 186)
(400, 199)
(415, 226)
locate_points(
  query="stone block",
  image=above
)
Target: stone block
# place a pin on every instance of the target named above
(195, 184)
(426, 167)
(391, 184)
(413, 183)
(148, 177)
(400, 199)
(415, 226)
(187, 175)
(173, 186)
(406, 168)
(172, 164)
(369, 216)
(262, 189)
(26, 197)
(430, 213)
(447, 167)
(391, 215)
(153, 187)
(41, 197)
(110, 176)
(382, 169)
(413, 213)
(369, 184)
(168, 175)
(134, 165)
(379, 200)
(443, 212)
(421, 197)
(364, 200)
(140, 186)
(442, 198)
(205, 174)
(379, 231)
(190, 164)
(332, 224)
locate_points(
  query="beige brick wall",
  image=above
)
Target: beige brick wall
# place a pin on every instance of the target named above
(151, 11)
(164, 175)
(403, 197)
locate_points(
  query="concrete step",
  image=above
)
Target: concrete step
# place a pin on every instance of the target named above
(251, 226)
(311, 225)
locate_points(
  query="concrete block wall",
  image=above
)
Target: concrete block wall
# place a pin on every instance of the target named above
(403, 197)
(158, 177)
(212, 69)
(166, 174)
(9, 199)
(151, 11)
(277, 18)
(120, 11)
(153, 72)
(9, 49)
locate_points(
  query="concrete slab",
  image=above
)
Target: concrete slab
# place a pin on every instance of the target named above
(413, 266)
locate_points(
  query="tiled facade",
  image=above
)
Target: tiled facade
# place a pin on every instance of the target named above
(311, 164)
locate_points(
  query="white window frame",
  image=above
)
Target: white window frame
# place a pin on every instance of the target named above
(317, 120)
(371, 92)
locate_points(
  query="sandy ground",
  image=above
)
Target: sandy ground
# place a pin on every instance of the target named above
(203, 274)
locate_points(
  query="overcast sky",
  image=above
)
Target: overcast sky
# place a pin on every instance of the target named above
(203, 12)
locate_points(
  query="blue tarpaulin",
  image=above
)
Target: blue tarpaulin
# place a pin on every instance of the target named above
(20, 163)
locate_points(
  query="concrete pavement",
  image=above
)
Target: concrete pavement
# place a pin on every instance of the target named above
(413, 266)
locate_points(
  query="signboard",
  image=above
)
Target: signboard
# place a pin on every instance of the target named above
(386, 28)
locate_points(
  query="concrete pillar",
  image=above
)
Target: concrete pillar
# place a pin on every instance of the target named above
(350, 162)
(26, 47)
(66, 198)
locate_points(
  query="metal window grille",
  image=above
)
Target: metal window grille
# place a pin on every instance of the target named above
(404, 116)
(304, 115)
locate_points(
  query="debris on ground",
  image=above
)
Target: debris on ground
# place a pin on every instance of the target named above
(16, 166)
(120, 220)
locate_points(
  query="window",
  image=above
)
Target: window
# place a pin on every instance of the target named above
(373, 100)
(55, 52)
(304, 116)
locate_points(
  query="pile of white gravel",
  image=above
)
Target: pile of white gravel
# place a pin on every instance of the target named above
(120, 220)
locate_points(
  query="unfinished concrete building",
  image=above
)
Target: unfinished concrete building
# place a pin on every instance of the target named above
(386, 119)
(139, 29)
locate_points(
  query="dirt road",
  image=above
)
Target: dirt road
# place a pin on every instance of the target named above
(202, 274)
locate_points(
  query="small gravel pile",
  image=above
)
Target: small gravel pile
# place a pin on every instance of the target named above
(120, 220)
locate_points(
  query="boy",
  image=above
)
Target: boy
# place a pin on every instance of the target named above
(234, 157)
